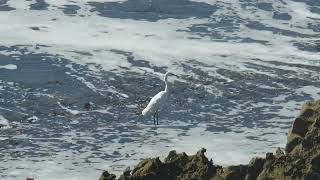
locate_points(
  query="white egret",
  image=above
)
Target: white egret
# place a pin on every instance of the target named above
(158, 100)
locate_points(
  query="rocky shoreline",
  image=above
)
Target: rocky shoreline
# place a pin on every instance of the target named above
(299, 160)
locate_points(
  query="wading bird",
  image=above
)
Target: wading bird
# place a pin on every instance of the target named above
(158, 100)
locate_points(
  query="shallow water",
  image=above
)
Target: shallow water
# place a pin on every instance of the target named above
(86, 70)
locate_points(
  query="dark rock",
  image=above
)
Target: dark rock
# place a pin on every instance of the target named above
(300, 126)
(315, 162)
(148, 169)
(107, 176)
(279, 152)
(311, 176)
(305, 129)
(269, 156)
(307, 113)
(35, 28)
(292, 144)
(117, 153)
(175, 166)
(88, 106)
(234, 172)
(316, 123)
(254, 168)
(301, 160)
(171, 156)
(127, 172)
(198, 167)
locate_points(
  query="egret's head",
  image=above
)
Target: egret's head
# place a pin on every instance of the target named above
(169, 74)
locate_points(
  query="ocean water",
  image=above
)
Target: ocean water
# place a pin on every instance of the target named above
(75, 76)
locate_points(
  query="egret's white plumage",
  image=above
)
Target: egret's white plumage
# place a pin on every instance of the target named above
(155, 103)
(158, 100)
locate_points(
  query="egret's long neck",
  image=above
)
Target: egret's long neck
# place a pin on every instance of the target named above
(167, 89)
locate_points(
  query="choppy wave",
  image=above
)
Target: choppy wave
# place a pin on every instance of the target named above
(86, 69)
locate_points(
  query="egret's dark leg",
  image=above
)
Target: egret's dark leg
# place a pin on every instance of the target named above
(157, 118)
(154, 118)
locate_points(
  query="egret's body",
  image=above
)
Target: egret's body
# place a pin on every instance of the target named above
(157, 101)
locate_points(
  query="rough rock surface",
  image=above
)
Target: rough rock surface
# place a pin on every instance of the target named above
(301, 159)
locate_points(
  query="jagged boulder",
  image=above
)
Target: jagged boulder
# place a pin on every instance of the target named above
(301, 159)
(175, 166)
(196, 167)
(231, 173)
(305, 133)
(107, 176)
(254, 168)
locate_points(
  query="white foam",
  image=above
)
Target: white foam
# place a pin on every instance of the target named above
(313, 91)
(61, 3)
(103, 111)
(4, 123)
(6, 109)
(165, 46)
(33, 119)
(9, 66)
(73, 112)
(77, 112)
(302, 11)
(44, 94)
(17, 4)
